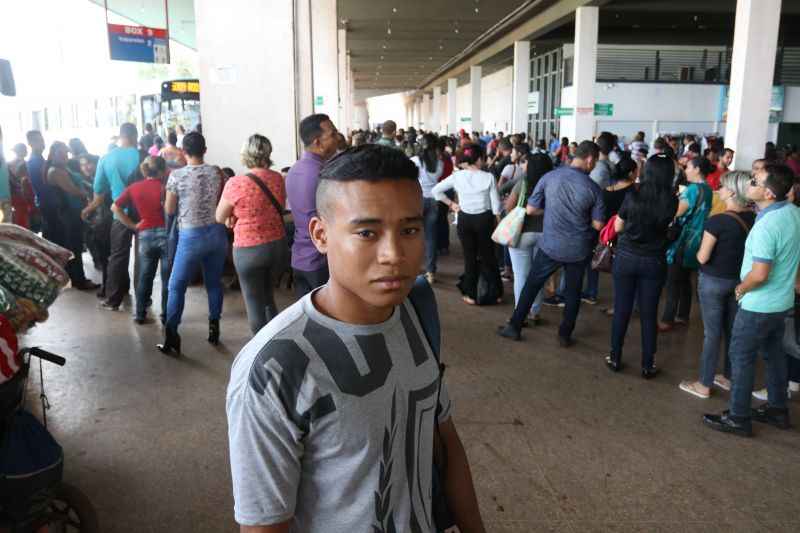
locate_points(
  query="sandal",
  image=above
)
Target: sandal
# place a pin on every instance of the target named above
(722, 382)
(692, 388)
(467, 300)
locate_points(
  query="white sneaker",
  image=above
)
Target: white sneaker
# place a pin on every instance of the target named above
(722, 382)
(760, 394)
(794, 386)
(763, 396)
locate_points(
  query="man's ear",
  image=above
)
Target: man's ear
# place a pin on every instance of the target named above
(318, 230)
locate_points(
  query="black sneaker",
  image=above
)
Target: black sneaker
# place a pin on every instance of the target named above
(143, 321)
(509, 332)
(729, 424)
(553, 301)
(589, 300)
(566, 342)
(774, 416)
(105, 306)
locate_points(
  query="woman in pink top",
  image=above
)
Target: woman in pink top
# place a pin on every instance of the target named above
(253, 206)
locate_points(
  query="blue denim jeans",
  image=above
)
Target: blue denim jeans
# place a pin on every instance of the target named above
(592, 283)
(205, 247)
(754, 333)
(431, 214)
(718, 307)
(637, 277)
(541, 269)
(152, 251)
(521, 260)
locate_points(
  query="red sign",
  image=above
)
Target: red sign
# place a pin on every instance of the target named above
(138, 31)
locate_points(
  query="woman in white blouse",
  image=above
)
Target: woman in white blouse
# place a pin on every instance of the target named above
(478, 209)
(431, 168)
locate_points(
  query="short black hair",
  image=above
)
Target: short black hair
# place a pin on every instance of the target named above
(311, 127)
(587, 149)
(605, 142)
(128, 130)
(369, 162)
(780, 179)
(703, 165)
(33, 134)
(194, 144)
(504, 144)
(172, 138)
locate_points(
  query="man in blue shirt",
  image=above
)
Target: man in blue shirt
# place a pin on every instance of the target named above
(573, 214)
(769, 282)
(113, 175)
(35, 166)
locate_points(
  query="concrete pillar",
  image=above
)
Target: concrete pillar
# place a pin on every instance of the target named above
(585, 71)
(436, 112)
(325, 56)
(361, 115)
(452, 112)
(342, 79)
(475, 78)
(755, 40)
(521, 86)
(426, 113)
(304, 56)
(244, 89)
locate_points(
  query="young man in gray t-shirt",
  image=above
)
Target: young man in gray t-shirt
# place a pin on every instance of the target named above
(331, 406)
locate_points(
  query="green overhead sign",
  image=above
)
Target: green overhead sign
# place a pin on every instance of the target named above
(466, 119)
(319, 100)
(564, 111)
(603, 110)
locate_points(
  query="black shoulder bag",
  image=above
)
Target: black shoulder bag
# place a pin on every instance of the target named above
(424, 301)
(268, 194)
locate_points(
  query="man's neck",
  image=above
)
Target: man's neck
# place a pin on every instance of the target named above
(194, 161)
(579, 164)
(763, 204)
(603, 157)
(337, 302)
(125, 143)
(316, 153)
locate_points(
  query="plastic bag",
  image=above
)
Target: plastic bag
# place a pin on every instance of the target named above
(36, 259)
(12, 232)
(25, 281)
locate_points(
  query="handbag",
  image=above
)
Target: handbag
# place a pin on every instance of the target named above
(424, 302)
(509, 230)
(675, 228)
(603, 255)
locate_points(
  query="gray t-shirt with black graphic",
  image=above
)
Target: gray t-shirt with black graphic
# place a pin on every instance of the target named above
(331, 424)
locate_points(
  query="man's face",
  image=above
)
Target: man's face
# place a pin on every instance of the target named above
(37, 143)
(372, 233)
(758, 166)
(589, 163)
(727, 159)
(329, 140)
(756, 191)
(713, 157)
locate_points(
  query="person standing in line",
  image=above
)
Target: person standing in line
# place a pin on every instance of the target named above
(573, 212)
(431, 169)
(337, 423)
(720, 256)
(36, 166)
(693, 208)
(320, 139)
(638, 143)
(115, 171)
(554, 143)
(148, 139)
(146, 197)
(192, 194)
(68, 199)
(23, 199)
(171, 153)
(5, 186)
(388, 130)
(640, 266)
(523, 254)
(478, 209)
(254, 205)
(769, 282)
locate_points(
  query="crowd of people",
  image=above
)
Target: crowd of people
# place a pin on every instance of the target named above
(344, 223)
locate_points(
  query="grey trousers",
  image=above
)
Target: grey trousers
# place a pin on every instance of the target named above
(258, 268)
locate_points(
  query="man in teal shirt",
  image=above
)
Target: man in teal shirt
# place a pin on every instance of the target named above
(5, 186)
(388, 130)
(113, 175)
(769, 281)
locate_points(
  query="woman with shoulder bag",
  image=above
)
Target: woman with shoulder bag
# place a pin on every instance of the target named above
(693, 208)
(640, 267)
(534, 166)
(720, 257)
(253, 205)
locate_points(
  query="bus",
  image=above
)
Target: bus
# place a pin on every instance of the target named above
(178, 104)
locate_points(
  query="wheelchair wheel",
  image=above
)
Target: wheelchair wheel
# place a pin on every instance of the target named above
(71, 512)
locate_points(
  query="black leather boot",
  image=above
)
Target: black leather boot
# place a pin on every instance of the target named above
(213, 332)
(172, 342)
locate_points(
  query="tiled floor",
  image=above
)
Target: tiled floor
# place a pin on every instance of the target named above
(556, 442)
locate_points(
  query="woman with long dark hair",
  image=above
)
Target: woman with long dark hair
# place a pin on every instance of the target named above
(693, 208)
(431, 168)
(69, 199)
(639, 265)
(534, 167)
(478, 208)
